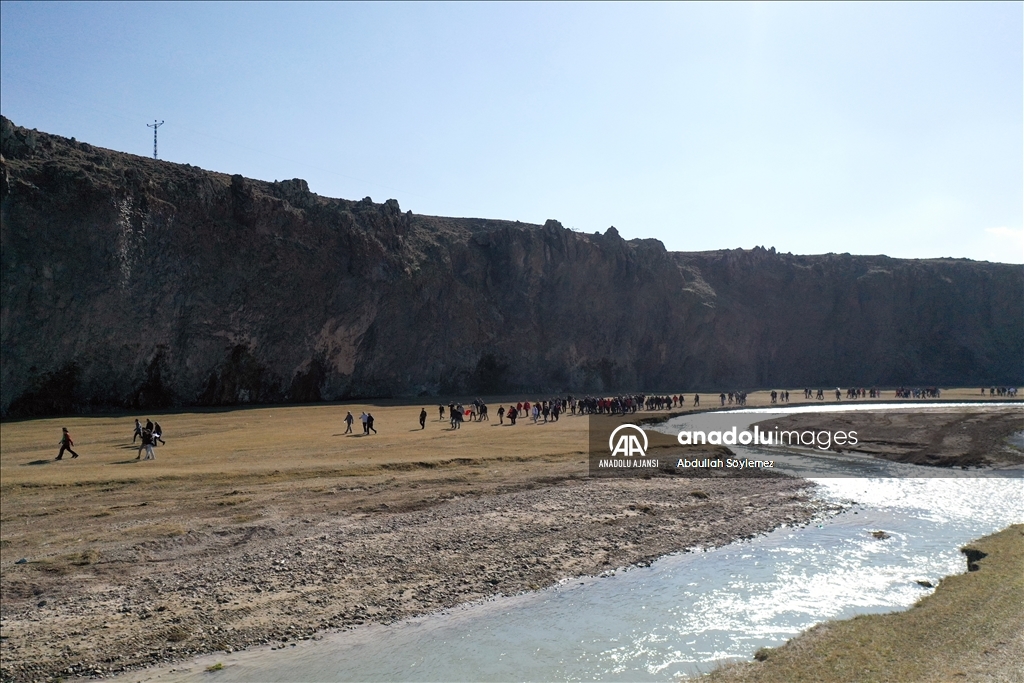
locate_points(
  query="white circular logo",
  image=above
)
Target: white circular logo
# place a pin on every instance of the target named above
(628, 444)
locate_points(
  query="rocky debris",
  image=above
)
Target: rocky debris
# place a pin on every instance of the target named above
(169, 285)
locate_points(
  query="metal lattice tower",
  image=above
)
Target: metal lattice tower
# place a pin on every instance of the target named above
(154, 126)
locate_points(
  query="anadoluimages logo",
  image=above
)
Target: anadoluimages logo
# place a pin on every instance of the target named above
(628, 444)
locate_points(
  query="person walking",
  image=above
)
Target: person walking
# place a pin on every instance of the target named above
(501, 415)
(65, 444)
(147, 443)
(696, 399)
(138, 430)
(362, 418)
(348, 422)
(423, 419)
(157, 433)
(369, 424)
(440, 413)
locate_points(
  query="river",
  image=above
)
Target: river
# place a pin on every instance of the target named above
(687, 611)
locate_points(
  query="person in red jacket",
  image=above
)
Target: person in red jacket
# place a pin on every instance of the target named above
(65, 445)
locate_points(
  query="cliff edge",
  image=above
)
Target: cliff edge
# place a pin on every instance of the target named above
(133, 282)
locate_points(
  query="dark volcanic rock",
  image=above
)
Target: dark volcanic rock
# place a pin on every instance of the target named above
(128, 281)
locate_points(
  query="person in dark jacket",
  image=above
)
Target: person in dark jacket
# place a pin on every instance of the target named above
(65, 444)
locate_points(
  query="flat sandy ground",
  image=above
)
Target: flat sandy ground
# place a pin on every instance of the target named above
(259, 525)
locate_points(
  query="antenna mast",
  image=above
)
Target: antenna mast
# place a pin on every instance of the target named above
(154, 126)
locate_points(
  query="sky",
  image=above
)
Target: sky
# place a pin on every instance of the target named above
(868, 128)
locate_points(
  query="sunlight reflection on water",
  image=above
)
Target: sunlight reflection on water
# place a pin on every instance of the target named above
(686, 611)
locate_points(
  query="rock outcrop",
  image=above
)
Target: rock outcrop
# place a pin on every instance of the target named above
(132, 282)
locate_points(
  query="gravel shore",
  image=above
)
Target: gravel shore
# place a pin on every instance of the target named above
(162, 600)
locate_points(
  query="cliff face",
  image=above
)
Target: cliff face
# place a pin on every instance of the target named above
(128, 281)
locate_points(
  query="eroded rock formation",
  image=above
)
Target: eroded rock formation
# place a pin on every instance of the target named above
(132, 282)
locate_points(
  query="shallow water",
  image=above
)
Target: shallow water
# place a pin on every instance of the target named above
(685, 612)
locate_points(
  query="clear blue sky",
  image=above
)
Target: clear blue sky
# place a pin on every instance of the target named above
(862, 128)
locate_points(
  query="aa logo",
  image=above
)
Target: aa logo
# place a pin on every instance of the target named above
(628, 443)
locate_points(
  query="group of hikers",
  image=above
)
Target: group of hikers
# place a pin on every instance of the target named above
(549, 410)
(630, 404)
(852, 393)
(367, 420)
(458, 413)
(149, 434)
(904, 392)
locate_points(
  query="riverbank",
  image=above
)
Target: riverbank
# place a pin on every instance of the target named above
(976, 436)
(269, 525)
(970, 629)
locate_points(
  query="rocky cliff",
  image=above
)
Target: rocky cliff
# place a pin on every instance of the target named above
(132, 282)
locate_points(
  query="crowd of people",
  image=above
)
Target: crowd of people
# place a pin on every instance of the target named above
(549, 410)
(906, 392)
(854, 393)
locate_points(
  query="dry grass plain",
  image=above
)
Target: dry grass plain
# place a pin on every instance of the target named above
(296, 442)
(131, 562)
